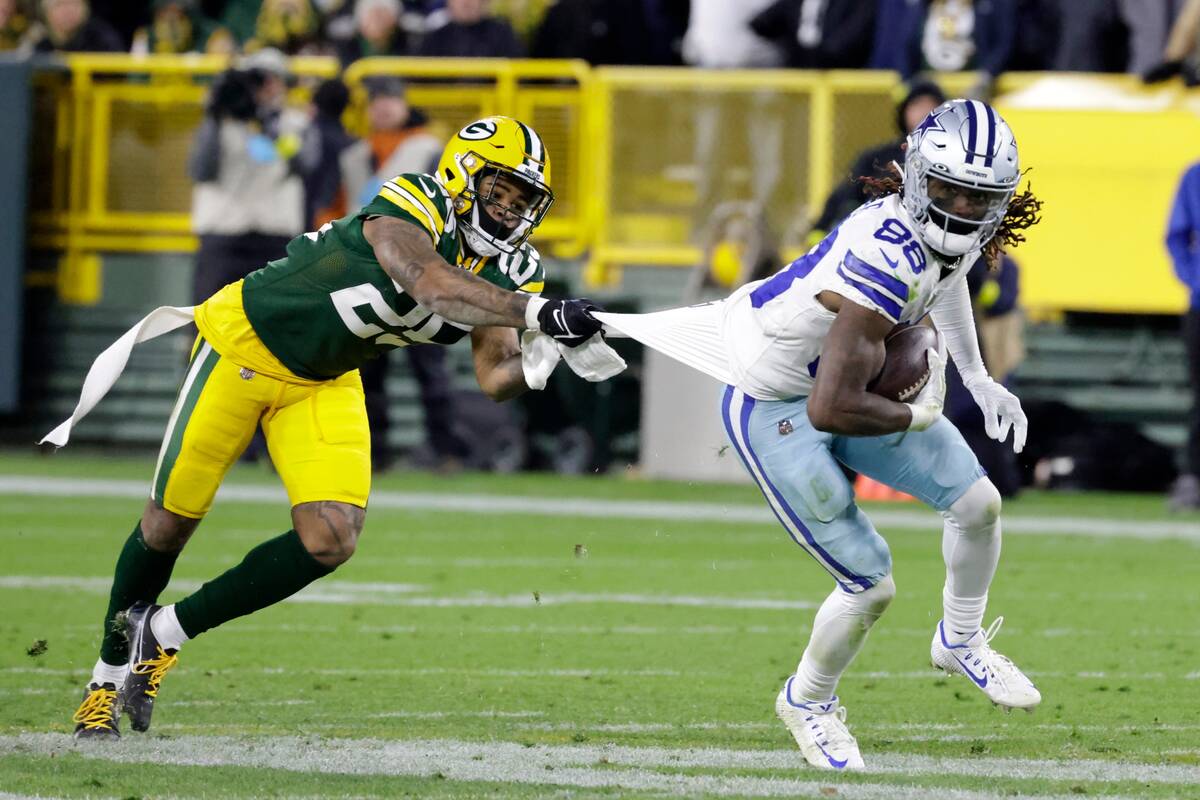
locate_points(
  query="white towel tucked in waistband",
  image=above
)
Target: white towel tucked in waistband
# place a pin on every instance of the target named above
(109, 365)
(690, 335)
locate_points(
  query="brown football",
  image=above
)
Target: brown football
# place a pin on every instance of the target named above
(906, 365)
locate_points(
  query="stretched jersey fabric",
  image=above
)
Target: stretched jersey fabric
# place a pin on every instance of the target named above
(774, 329)
(328, 306)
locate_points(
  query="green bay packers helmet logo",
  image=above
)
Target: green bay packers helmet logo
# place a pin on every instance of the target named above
(477, 131)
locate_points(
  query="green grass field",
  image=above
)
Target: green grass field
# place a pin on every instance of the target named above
(536, 636)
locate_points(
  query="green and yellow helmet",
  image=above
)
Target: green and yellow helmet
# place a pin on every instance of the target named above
(487, 162)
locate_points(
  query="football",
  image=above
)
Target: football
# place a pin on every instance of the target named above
(906, 364)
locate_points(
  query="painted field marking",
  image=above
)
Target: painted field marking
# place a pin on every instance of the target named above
(589, 766)
(400, 594)
(1094, 527)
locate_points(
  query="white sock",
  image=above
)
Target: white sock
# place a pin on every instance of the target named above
(962, 617)
(838, 633)
(971, 549)
(109, 673)
(166, 628)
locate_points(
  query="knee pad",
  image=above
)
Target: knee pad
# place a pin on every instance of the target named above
(977, 509)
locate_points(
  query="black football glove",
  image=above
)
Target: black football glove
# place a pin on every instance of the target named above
(569, 321)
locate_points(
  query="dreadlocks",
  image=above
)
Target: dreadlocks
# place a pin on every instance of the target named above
(1024, 211)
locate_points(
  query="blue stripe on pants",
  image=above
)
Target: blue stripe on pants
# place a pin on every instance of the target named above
(845, 578)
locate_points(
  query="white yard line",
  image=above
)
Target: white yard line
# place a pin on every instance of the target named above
(103, 584)
(1097, 527)
(400, 594)
(242, 703)
(629, 768)
(478, 672)
(457, 714)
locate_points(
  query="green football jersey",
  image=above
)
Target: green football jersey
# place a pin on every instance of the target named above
(328, 306)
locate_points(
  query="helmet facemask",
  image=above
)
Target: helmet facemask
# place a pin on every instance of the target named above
(955, 216)
(500, 207)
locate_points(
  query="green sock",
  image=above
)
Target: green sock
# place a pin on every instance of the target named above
(274, 570)
(141, 574)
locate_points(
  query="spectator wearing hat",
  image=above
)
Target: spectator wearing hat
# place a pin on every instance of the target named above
(470, 32)
(397, 143)
(248, 198)
(71, 28)
(919, 99)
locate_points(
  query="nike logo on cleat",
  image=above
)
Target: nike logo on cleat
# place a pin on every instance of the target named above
(981, 682)
(833, 762)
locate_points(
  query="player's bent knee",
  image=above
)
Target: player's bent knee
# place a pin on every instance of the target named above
(165, 531)
(329, 530)
(978, 508)
(874, 601)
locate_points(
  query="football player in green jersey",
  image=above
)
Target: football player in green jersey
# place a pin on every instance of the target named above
(431, 260)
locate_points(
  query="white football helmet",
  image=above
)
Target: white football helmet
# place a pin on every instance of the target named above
(960, 172)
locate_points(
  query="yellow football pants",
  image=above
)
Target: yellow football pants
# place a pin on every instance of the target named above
(317, 435)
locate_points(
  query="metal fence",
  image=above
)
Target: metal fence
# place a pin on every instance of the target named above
(642, 156)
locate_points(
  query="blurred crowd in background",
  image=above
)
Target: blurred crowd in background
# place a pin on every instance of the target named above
(264, 172)
(1153, 38)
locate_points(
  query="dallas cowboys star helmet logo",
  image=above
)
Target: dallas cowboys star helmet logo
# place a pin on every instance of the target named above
(931, 123)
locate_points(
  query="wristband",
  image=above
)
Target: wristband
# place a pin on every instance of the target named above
(922, 417)
(531, 312)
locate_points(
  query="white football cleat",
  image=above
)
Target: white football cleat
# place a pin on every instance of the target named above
(820, 730)
(994, 674)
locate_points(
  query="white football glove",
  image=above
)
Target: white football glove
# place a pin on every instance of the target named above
(1001, 409)
(926, 407)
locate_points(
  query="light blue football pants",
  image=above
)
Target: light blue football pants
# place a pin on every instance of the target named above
(796, 467)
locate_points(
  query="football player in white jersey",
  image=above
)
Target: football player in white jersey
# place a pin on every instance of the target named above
(803, 345)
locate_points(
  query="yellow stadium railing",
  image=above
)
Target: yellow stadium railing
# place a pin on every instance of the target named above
(549, 95)
(122, 125)
(1106, 154)
(642, 156)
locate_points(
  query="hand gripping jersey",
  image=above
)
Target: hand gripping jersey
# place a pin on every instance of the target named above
(328, 306)
(774, 329)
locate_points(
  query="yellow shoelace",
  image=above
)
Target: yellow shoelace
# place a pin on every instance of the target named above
(157, 668)
(96, 710)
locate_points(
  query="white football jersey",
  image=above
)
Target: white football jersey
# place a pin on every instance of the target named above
(774, 329)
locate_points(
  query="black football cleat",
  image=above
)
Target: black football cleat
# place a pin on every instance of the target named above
(148, 663)
(98, 715)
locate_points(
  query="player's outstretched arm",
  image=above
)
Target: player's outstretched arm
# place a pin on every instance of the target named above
(852, 355)
(406, 254)
(497, 356)
(955, 319)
